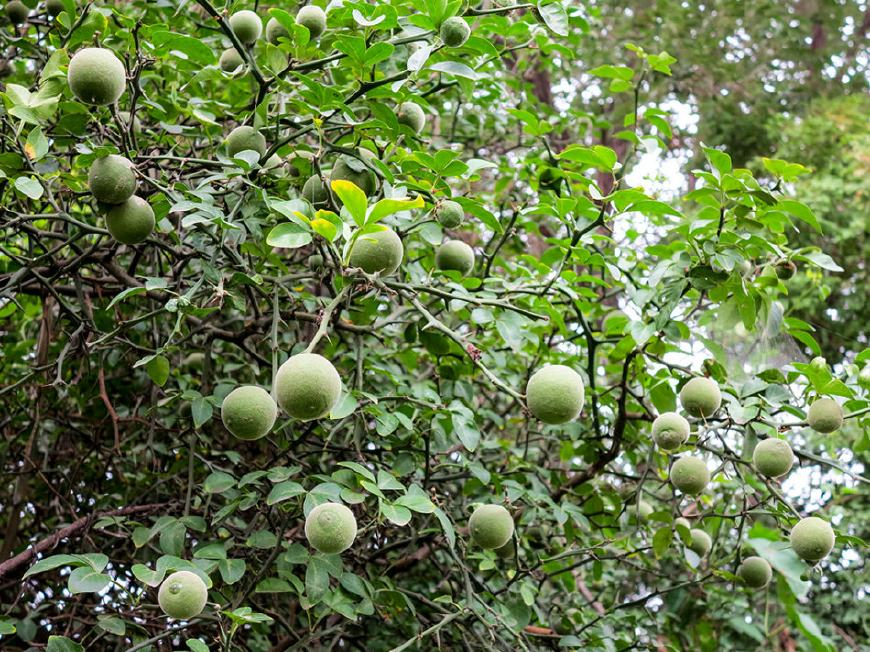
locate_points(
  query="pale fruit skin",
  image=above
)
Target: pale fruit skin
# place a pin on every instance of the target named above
(131, 222)
(455, 32)
(307, 386)
(772, 457)
(230, 60)
(555, 394)
(411, 115)
(864, 377)
(449, 214)
(111, 179)
(701, 397)
(684, 522)
(812, 539)
(330, 528)
(275, 30)
(17, 12)
(54, 7)
(641, 511)
(182, 595)
(455, 255)
(246, 25)
(670, 431)
(819, 363)
(249, 412)
(491, 526)
(245, 138)
(690, 475)
(365, 180)
(701, 542)
(315, 191)
(825, 415)
(313, 18)
(506, 551)
(755, 572)
(96, 76)
(125, 120)
(377, 252)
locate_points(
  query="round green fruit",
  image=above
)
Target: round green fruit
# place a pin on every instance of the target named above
(315, 191)
(111, 179)
(701, 542)
(246, 25)
(670, 431)
(96, 76)
(491, 526)
(555, 394)
(825, 415)
(17, 12)
(131, 222)
(245, 138)
(230, 60)
(690, 475)
(614, 322)
(330, 528)
(182, 595)
(411, 115)
(449, 213)
(315, 261)
(53, 7)
(455, 32)
(455, 255)
(125, 120)
(755, 572)
(785, 269)
(249, 412)
(313, 19)
(355, 171)
(506, 551)
(744, 268)
(377, 252)
(307, 386)
(864, 377)
(812, 539)
(684, 522)
(640, 511)
(701, 397)
(819, 363)
(773, 457)
(275, 31)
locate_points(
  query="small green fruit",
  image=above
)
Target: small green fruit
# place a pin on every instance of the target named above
(773, 457)
(131, 222)
(455, 32)
(506, 551)
(230, 60)
(53, 7)
(701, 397)
(411, 115)
(640, 511)
(355, 171)
(307, 386)
(330, 528)
(96, 76)
(555, 394)
(864, 377)
(825, 415)
(249, 412)
(785, 269)
(194, 361)
(755, 572)
(17, 12)
(315, 261)
(701, 542)
(245, 138)
(812, 539)
(670, 431)
(744, 268)
(449, 214)
(275, 31)
(614, 322)
(377, 252)
(312, 18)
(491, 526)
(684, 522)
(182, 595)
(125, 120)
(111, 179)
(315, 191)
(455, 255)
(690, 475)
(246, 25)
(819, 363)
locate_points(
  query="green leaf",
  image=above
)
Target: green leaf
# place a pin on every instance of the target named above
(37, 145)
(87, 580)
(395, 513)
(50, 563)
(801, 211)
(218, 482)
(454, 68)
(284, 491)
(316, 578)
(288, 236)
(613, 72)
(62, 644)
(112, 624)
(158, 370)
(29, 186)
(387, 207)
(555, 17)
(416, 503)
(201, 410)
(353, 199)
(662, 540)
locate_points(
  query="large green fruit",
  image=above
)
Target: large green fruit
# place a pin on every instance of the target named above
(491, 526)
(449, 214)
(701, 542)
(773, 457)
(377, 252)
(230, 60)
(246, 25)
(244, 138)
(700, 397)
(315, 191)
(670, 431)
(825, 415)
(54, 7)
(690, 475)
(455, 255)
(130, 222)
(330, 528)
(506, 551)
(682, 522)
(17, 12)
(96, 76)
(411, 115)
(307, 386)
(355, 171)
(313, 18)
(249, 412)
(275, 30)
(555, 394)
(812, 539)
(755, 572)
(182, 595)
(111, 179)
(455, 32)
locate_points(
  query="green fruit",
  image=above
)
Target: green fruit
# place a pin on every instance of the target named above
(819, 363)
(245, 138)
(670, 431)
(96, 76)
(412, 116)
(773, 457)
(684, 522)
(455, 255)
(455, 32)
(506, 551)
(111, 179)
(315, 261)
(555, 394)
(825, 415)
(449, 214)
(194, 361)
(54, 7)
(640, 511)
(246, 25)
(812, 539)
(315, 191)
(744, 268)
(130, 222)
(182, 595)
(491, 526)
(17, 12)
(312, 18)
(249, 412)
(125, 120)
(785, 269)
(701, 542)
(864, 377)
(330, 528)
(755, 572)
(230, 60)
(614, 322)
(377, 252)
(307, 386)
(700, 397)
(355, 171)
(690, 475)
(275, 30)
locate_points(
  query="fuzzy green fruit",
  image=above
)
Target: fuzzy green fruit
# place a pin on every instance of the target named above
(411, 115)
(315, 191)
(96, 76)
(377, 252)
(455, 255)
(701, 542)
(275, 31)
(455, 32)
(812, 539)
(772, 457)
(785, 269)
(182, 595)
(245, 138)
(111, 179)
(491, 526)
(312, 18)
(506, 551)
(53, 7)
(640, 511)
(819, 363)
(230, 60)
(330, 528)
(125, 120)
(555, 394)
(670, 431)
(700, 397)
(355, 171)
(755, 572)
(17, 12)
(130, 222)
(246, 25)
(690, 475)
(825, 415)
(684, 522)
(449, 214)
(249, 412)
(307, 386)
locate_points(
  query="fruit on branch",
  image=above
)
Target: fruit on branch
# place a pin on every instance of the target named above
(125, 120)
(307, 386)
(17, 12)
(449, 213)
(230, 60)
(491, 526)
(670, 431)
(785, 269)
(455, 32)
(772, 457)
(614, 322)
(182, 595)
(246, 25)
(555, 394)
(312, 18)
(455, 255)
(249, 412)
(744, 268)
(506, 551)
(755, 572)
(54, 7)
(825, 415)
(355, 171)
(701, 542)
(315, 261)
(330, 528)
(864, 377)
(700, 397)
(130, 222)
(111, 179)
(315, 191)
(819, 363)
(96, 76)
(690, 475)
(275, 30)
(193, 361)
(377, 252)
(640, 511)
(683, 522)
(244, 138)
(812, 539)
(411, 115)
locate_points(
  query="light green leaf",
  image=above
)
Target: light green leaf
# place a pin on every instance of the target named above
(353, 199)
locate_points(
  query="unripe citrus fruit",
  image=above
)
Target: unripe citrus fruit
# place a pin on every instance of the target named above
(130, 222)
(641, 511)
(812, 539)
(700, 397)
(378, 251)
(111, 179)
(555, 394)
(96, 76)
(772, 457)
(125, 120)
(455, 32)
(755, 572)
(249, 412)
(307, 386)
(690, 475)
(313, 18)
(17, 12)
(449, 214)
(244, 138)
(411, 115)
(330, 528)
(275, 30)
(864, 377)
(819, 363)
(491, 526)
(684, 522)
(230, 60)
(506, 551)
(785, 269)
(455, 255)
(315, 191)
(182, 595)
(246, 25)
(54, 7)
(701, 542)
(825, 415)
(355, 171)
(670, 431)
